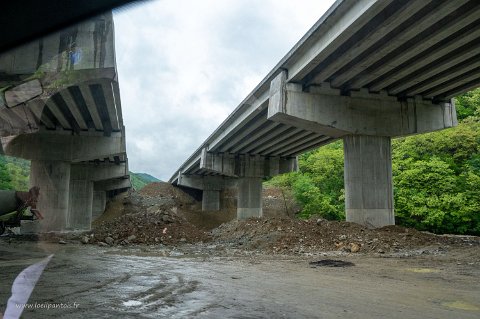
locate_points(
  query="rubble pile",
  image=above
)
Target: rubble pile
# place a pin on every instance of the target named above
(163, 214)
(284, 235)
(150, 227)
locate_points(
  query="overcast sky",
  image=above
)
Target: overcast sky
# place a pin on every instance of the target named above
(184, 65)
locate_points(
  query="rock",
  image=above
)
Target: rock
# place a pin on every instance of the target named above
(85, 240)
(320, 221)
(183, 239)
(101, 243)
(342, 237)
(131, 238)
(62, 242)
(381, 251)
(109, 240)
(354, 247)
(167, 219)
(346, 249)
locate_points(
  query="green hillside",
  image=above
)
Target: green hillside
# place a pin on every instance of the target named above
(139, 180)
(14, 173)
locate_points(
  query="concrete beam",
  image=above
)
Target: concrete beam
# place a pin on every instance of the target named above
(99, 172)
(323, 110)
(246, 165)
(112, 184)
(59, 146)
(191, 181)
(222, 162)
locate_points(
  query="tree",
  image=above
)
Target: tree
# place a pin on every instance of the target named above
(5, 180)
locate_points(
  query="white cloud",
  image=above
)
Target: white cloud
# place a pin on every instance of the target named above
(185, 65)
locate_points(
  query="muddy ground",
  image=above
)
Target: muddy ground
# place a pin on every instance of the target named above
(153, 254)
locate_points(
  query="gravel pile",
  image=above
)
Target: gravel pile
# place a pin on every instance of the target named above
(150, 227)
(284, 235)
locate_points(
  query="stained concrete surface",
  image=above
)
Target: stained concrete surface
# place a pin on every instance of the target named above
(195, 281)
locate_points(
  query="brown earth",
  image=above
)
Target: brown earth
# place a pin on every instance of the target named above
(163, 214)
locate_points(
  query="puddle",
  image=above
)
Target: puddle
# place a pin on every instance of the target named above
(331, 263)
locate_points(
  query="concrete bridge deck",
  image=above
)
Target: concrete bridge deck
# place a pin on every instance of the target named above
(366, 72)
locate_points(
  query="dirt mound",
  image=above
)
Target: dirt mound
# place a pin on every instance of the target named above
(154, 226)
(149, 216)
(285, 235)
(162, 213)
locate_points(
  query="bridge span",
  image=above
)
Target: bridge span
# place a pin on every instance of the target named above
(366, 72)
(60, 108)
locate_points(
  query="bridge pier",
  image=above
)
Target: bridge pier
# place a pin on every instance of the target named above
(368, 180)
(99, 203)
(249, 202)
(211, 193)
(81, 204)
(67, 193)
(366, 122)
(53, 178)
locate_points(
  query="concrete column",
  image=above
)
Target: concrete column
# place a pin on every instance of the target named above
(81, 203)
(99, 203)
(210, 200)
(368, 180)
(249, 197)
(53, 178)
(211, 193)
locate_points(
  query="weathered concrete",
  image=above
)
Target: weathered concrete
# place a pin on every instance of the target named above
(99, 172)
(324, 110)
(210, 200)
(53, 178)
(80, 205)
(99, 203)
(82, 181)
(232, 168)
(211, 193)
(365, 73)
(62, 146)
(249, 202)
(368, 180)
(112, 184)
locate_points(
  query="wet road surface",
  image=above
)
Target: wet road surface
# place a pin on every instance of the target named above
(143, 283)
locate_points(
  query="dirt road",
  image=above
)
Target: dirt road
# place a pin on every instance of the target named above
(198, 281)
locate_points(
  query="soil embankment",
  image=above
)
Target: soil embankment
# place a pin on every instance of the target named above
(163, 214)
